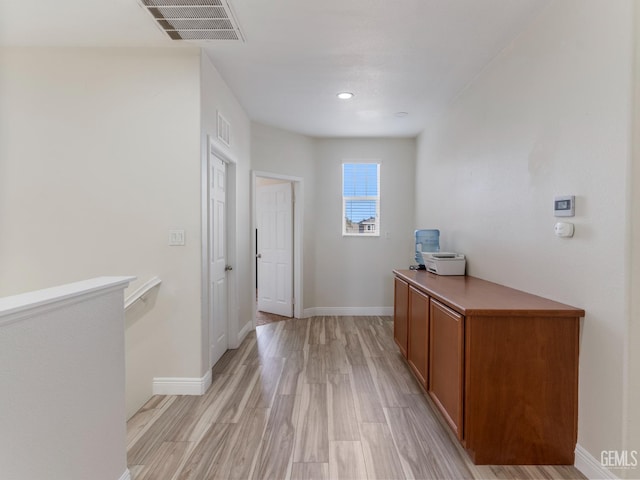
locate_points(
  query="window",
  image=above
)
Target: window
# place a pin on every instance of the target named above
(361, 199)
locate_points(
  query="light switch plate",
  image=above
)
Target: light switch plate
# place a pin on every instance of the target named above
(176, 238)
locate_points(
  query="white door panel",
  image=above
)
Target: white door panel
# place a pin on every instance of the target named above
(218, 260)
(274, 208)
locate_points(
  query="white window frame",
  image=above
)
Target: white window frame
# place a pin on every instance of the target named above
(375, 198)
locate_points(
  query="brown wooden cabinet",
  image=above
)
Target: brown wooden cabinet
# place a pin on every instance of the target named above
(446, 356)
(401, 314)
(418, 354)
(500, 364)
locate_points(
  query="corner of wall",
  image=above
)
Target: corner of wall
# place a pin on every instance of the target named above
(590, 467)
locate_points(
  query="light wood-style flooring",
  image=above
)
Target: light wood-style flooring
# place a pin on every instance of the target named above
(262, 318)
(318, 398)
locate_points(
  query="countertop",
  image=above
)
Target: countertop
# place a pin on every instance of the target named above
(473, 296)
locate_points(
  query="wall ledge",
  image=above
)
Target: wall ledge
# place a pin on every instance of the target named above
(347, 311)
(26, 305)
(590, 466)
(182, 385)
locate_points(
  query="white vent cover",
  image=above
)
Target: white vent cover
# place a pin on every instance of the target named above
(195, 19)
(224, 130)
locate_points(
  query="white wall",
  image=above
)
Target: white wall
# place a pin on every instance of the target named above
(550, 115)
(285, 153)
(344, 274)
(62, 412)
(217, 96)
(99, 158)
(633, 338)
(356, 272)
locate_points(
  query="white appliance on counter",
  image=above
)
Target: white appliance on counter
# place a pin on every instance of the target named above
(444, 263)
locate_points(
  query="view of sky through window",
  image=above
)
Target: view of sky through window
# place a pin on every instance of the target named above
(361, 197)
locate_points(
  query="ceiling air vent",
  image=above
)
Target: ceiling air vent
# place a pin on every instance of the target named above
(195, 19)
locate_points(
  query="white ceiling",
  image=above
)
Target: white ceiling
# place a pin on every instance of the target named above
(410, 56)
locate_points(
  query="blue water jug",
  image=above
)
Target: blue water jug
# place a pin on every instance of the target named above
(426, 241)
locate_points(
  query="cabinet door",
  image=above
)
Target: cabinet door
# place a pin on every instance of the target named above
(401, 315)
(418, 355)
(446, 366)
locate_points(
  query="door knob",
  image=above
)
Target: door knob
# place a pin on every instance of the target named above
(259, 255)
(228, 268)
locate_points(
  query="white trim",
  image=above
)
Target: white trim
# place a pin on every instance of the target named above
(26, 305)
(298, 232)
(182, 385)
(126, 475)
(220, 150)
(243, 333)
(590, 466)
(217, 149)
(141, 291)
(347, 311)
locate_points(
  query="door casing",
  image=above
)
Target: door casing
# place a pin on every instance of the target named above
(278, 256)
(214, 149)
(298, 229)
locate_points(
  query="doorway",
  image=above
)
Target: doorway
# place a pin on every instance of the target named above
(219, 309)
(218, 266)
(274, 246)
(277, 226)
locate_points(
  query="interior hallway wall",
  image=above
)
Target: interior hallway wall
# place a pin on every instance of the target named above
(356, 272)
(278, 151)
(344, 274)
(99, 158)
(550, 115)
(216, 96)
(633, 339)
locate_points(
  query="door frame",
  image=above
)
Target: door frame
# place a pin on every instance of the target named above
(215, 149)
(298, 229)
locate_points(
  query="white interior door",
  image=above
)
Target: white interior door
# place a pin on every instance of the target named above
(274, 207)
(218, 325)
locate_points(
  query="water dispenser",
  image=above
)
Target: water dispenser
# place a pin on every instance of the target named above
(426, 241)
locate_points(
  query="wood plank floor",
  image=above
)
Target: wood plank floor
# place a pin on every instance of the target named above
(317, 398)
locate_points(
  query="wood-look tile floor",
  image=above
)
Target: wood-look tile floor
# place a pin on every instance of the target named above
(318, 398)
(262, 318)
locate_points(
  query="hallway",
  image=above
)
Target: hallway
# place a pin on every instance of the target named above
(324, 397)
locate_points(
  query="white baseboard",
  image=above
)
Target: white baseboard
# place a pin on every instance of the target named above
(126, 475)
(181, 385)
(347, 311)
(590, 466)
(243, 333)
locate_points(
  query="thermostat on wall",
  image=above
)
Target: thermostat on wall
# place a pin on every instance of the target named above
(564, 206)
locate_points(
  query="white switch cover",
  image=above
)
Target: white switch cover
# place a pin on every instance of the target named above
(564, 229)
(176, 238)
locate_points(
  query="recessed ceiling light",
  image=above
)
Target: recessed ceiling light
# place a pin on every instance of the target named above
(401, 114)
(345, 95)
